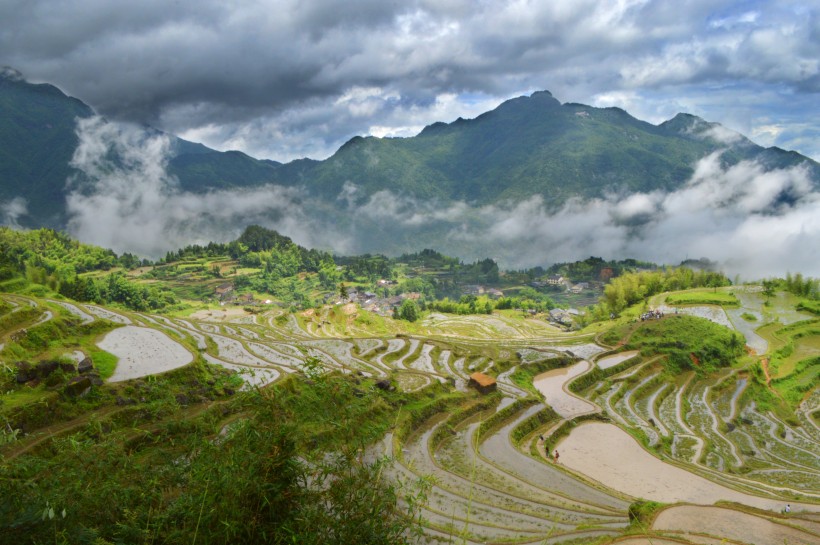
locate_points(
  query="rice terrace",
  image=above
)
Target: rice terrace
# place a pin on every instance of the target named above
(680, 417)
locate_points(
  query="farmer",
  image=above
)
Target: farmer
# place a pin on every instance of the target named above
(555, 456)
(788, 508)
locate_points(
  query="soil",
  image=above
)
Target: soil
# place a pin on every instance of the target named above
(552, 385)
(625, 466)
(729, 524)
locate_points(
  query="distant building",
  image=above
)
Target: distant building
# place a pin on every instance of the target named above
(555, 280)
(473, 289)
(223, 290)
(483, 383)
(494, 293)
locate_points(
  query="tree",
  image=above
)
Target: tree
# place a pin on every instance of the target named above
(409, 310)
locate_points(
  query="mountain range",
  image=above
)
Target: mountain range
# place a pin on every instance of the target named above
(528, 147)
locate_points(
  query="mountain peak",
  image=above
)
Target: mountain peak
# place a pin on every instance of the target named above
(694, 127)
(9, 73)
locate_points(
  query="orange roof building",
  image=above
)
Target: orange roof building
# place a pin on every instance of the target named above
(483, 383)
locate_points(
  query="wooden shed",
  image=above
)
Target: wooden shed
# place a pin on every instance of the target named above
(483, 383)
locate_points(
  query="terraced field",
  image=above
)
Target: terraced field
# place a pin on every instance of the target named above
(630, 433)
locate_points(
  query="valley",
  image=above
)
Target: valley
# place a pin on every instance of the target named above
(643, 453)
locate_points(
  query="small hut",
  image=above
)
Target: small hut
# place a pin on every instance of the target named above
(483, 383)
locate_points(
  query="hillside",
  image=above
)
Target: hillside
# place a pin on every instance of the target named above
(38, 137)
(531, 146)
(216, 423)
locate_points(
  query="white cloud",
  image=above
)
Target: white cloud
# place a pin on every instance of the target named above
(126, 201)
(753, 221)
(11, 211)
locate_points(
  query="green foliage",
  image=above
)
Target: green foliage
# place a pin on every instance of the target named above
(804, 378)
(597, 374)
(500, 417)
(104, 362)
(536, 421)
(809, 306)
(689, 343)
(633, 288)
(288, 470)
(808, 288)
(461, 414)
(642, 513)
(409, 310)
(703, 298)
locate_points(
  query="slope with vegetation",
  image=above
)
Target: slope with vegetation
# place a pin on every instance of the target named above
(334, 424)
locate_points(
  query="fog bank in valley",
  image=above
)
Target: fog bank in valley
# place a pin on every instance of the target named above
(753, 222)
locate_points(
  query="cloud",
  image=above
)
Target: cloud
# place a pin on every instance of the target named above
(11, 211)
(753, 221)
(125, 200)
(284, 79)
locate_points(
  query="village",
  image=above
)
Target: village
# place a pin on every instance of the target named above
(381, 298)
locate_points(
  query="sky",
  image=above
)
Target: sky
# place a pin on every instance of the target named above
(281, 79)
(289, 79)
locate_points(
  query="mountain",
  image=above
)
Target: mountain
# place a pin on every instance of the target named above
(534, 145)
(365, 197)
(38, 137)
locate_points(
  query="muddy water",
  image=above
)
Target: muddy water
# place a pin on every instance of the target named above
(615, 359)
(143, 351)
(609, 455)
(551, 385)
(731, 524)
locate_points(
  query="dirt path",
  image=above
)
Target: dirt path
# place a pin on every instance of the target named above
(49, 432)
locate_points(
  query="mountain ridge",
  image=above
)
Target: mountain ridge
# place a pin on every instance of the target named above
(528, 146)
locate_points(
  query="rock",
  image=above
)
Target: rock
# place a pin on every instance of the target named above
(45, 368)
(85, 366)
(96, 380)
(68, 367)
(78, 386)
(384, 384)
(25, 372)
(182, 399)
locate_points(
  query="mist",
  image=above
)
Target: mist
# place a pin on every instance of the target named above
(754, 222)
(11, 211)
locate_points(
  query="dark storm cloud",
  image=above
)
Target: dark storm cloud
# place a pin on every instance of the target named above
(275, 78)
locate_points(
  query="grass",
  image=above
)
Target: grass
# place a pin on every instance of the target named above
(24, 396)
(105, 362)
(688, 342)
(703, 297)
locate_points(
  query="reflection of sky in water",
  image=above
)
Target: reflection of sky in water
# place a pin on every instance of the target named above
(747, 329)
(782, 309)
(782, 306)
